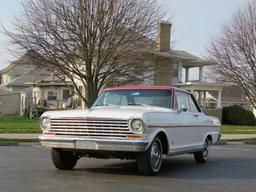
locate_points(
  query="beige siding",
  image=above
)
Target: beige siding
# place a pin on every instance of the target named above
(10, 103)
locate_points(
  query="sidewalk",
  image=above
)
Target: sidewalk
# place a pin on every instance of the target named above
(237, 136)
(17, 136)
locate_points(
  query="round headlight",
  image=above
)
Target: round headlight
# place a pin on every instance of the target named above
(45, 123)
(137, 126)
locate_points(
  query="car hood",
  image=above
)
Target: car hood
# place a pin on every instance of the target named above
(106, 112)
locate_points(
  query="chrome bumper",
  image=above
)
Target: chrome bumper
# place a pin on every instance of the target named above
(83, 143)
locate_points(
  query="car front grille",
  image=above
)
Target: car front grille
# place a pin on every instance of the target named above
(90, 127)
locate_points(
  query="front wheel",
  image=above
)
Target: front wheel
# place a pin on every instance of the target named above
(202, 156)
(150, 161)
(63, 160)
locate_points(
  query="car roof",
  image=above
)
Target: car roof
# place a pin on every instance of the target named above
(140, 87)
(145, 87)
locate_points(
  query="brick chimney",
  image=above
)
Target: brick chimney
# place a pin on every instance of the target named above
(164, 36)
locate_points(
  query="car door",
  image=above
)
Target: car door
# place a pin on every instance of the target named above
(186, 131)
(200, 121)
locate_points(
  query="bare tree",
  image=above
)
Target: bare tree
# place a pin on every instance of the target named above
(94, 41)
(235, 51)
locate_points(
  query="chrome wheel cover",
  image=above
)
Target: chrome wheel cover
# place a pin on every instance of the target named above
(205, 150)
(156, 155)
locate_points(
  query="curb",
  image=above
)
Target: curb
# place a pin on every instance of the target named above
(9, 143)
(4, 140)
(236, 142)
(221, 142)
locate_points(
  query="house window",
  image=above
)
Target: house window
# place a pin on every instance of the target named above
(65, 94)
(52, 95)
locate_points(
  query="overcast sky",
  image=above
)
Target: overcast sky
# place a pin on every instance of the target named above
(195, 22)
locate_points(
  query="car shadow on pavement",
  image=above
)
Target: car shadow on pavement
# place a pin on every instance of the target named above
(120, 168)
(186, 168)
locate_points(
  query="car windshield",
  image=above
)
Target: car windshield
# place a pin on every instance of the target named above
(135, 97)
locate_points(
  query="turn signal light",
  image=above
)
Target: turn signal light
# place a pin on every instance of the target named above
(134, 136)
(46, 132)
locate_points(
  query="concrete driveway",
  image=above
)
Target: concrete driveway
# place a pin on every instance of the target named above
(28, 168)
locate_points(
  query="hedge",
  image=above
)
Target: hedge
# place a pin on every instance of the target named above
(237, 115)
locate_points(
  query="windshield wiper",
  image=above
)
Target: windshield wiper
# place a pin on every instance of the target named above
(140, 104)
(106, 104)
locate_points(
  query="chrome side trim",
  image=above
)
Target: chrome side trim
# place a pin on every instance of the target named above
(183, 150)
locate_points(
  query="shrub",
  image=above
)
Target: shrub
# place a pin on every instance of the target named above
(237, 115)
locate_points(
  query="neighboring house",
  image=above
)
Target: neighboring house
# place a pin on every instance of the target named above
(231, 95)
(14, 85)
(16, 74)
(52, 92)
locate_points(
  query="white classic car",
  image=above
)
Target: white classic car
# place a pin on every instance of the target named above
(132, 122)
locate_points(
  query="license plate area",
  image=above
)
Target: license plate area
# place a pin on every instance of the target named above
(91, 145)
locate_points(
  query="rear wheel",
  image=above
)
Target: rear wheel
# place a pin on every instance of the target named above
(150, 161)
(63, 160)
(202, 156)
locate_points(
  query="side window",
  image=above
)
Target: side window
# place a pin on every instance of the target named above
(193, 106)
(182, 101)
(196, 104)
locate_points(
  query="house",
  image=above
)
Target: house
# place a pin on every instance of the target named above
(24, 85)
(231, 95)
(52, 92)
(17, 73)
(15, 93)
(174, 67)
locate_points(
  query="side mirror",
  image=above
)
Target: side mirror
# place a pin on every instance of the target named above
(183, 108)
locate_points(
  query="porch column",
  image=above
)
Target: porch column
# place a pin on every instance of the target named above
(200, 98)
(180, 71)
(200, 74)
(42, 94)
(219, 99)
(204, 102)
(186, 74)
(83, 105)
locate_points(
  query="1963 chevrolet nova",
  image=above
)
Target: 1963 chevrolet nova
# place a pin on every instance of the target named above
(134, 122)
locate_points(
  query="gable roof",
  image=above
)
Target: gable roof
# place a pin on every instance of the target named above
(25, 59)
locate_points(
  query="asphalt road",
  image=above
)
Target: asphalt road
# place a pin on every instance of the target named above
(28, 168)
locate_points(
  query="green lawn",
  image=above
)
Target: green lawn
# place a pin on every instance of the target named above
(238, 129)
(14, 124)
